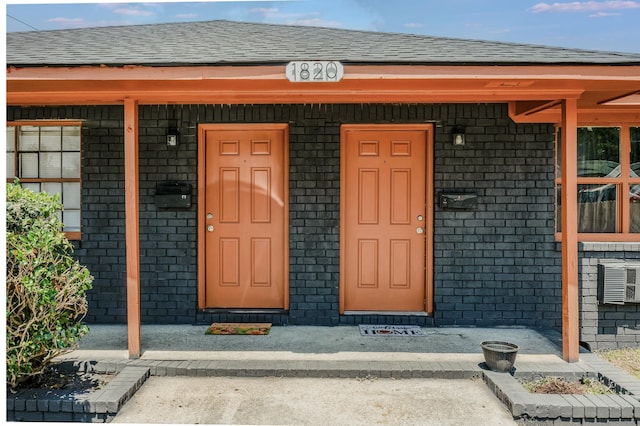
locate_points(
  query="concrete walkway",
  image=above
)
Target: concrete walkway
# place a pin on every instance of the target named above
(186, 342)
(320, 375)
(314, 401)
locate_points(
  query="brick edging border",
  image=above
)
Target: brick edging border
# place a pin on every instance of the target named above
(621, 408)
(95, 407)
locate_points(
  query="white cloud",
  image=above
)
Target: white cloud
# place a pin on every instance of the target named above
(413, 25)
(72, 22)
(585, 6)
(264, 10)
(603, 15)
(132, 11)
(275, 15)
(186, 15)
(314, 22)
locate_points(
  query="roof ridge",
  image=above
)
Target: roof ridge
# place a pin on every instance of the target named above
(350, 30)
(225, 41)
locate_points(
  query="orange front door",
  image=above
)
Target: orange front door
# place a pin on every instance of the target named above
(384, 215)
(246, 249)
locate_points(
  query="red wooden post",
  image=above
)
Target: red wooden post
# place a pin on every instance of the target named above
(132, 225)
(569, 202)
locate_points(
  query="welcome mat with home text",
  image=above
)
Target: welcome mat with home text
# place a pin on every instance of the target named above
(391, 330)
(239, 328)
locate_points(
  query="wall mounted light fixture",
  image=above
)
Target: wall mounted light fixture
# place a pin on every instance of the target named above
(458, 135)
(173, 137)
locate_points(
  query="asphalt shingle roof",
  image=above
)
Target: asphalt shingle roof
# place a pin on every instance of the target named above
(226, 42)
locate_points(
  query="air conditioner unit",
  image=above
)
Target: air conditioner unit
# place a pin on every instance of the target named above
(632, 290)
(618, 282)
(611, 282)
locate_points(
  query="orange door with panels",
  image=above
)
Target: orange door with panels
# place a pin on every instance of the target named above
(384, 218)
(245, 209)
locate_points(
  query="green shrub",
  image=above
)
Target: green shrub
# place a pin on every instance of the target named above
(45, 285)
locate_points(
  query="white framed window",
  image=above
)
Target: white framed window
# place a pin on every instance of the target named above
(46, 157)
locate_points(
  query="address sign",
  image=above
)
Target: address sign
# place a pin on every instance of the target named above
(314, 71)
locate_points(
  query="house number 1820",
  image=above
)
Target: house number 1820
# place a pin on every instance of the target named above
(314, 71)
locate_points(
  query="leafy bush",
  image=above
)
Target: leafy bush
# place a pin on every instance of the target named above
(45, 285)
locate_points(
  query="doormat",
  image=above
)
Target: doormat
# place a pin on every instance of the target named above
(392, 330)
(239, 328)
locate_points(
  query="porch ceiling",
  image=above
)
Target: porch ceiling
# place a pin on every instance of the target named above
(533, 92)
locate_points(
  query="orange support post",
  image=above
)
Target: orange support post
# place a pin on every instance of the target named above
(569, 202)
(132, 225)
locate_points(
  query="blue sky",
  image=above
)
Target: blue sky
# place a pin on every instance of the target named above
(601, 25)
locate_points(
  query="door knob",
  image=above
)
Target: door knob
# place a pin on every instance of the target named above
(210, 228)
(419, 230)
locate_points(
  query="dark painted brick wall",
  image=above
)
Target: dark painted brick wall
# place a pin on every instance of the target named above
(495, 265)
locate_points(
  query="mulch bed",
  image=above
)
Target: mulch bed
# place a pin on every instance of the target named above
(74, 381)
(559, 386)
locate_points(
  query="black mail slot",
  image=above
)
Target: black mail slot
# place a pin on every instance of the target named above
(458, 200)
(173, 195)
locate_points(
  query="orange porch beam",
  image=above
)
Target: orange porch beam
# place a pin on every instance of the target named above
(132, 225)
(277, 97)
(586, 116)
(87, 92)
(361, 83)
(569, 218)
(518, 75)
(530, 107)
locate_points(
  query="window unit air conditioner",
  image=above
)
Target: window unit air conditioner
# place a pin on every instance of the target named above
(619, 282)
(632, 290)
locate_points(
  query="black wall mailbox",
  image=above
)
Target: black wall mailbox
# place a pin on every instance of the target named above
(450, 200)
(173, 195)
